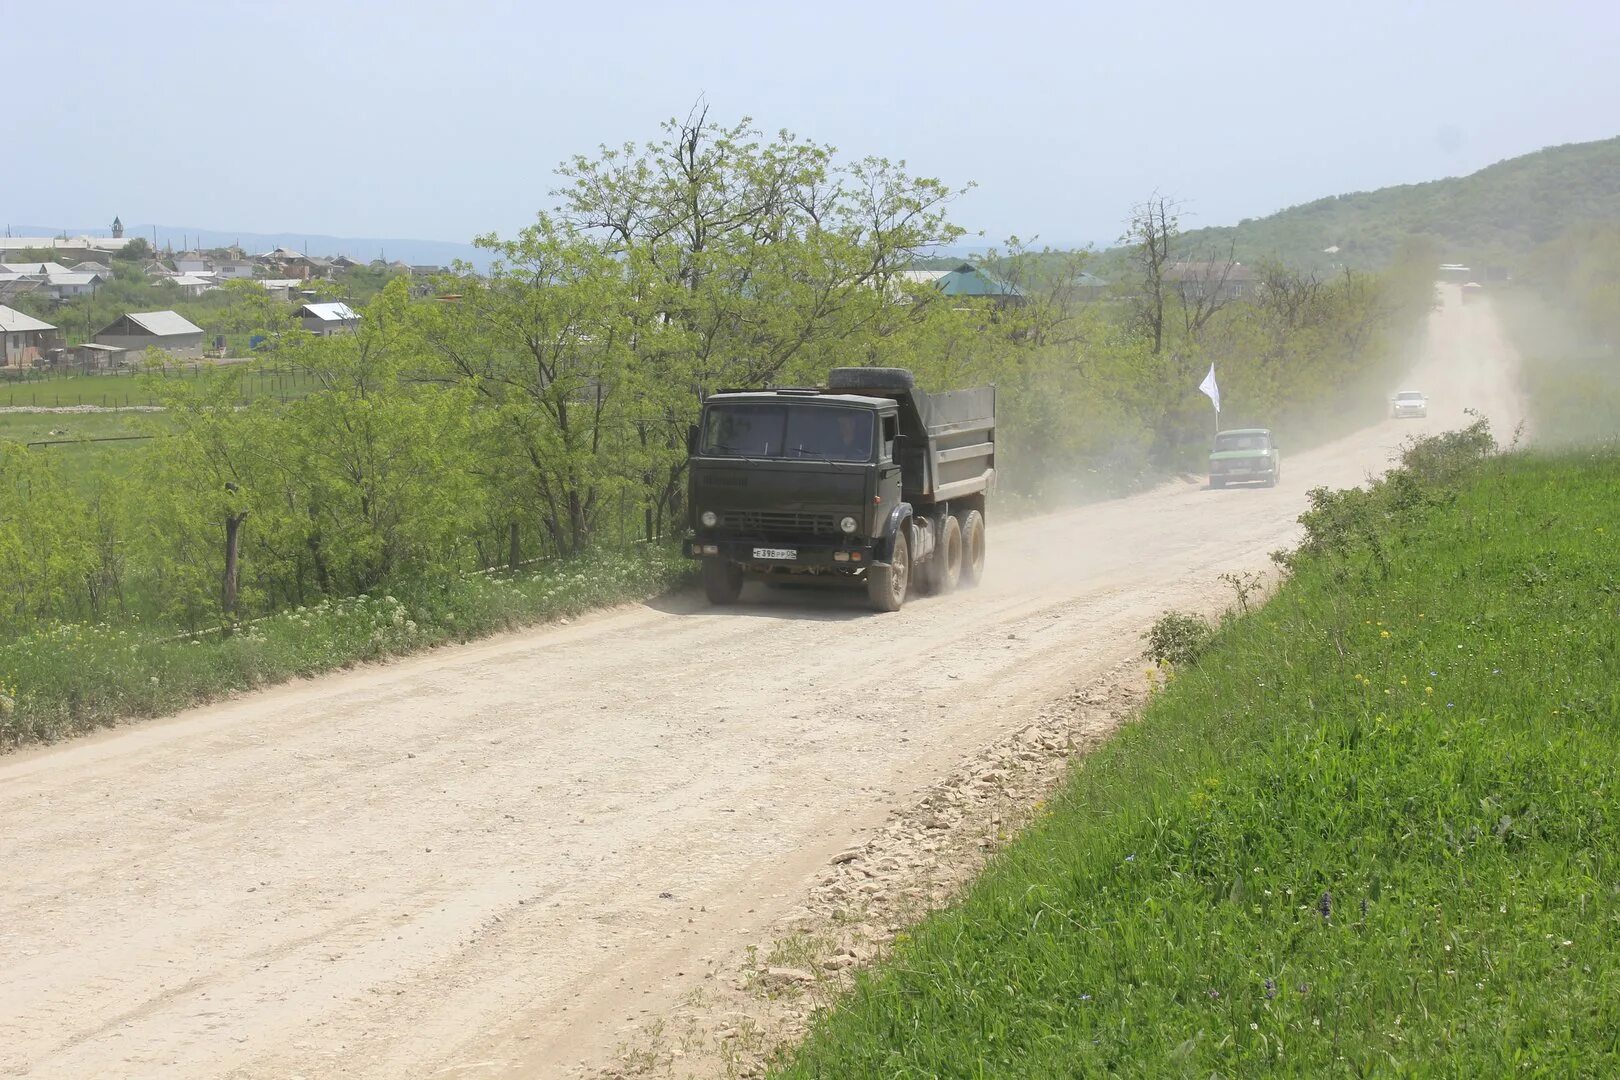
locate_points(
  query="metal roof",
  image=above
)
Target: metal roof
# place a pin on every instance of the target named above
(71, 278)
(163, 323)
(329, 312)
(34, 268)
(13, 321)
(969, 280)
(190, 279)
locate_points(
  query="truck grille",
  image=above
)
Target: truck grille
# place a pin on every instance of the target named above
(766, 523)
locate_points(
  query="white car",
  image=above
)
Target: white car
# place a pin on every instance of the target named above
(1409, 403)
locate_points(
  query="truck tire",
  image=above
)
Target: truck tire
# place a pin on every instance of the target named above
(722, 581)
(886, 585)
(972, 561)
(943, 570)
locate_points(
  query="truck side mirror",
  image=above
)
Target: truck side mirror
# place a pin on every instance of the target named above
(691, 440)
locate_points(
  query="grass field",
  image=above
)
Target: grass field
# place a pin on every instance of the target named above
(125, 389)
(1373, 830)
(57, 435)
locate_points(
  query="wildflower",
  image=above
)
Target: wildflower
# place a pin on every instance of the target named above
(1253, 1026)
(1316, 1021)
(1383, 633)
(1085, 997)
(1428, 690)
(1271, 989)
(1325, 905)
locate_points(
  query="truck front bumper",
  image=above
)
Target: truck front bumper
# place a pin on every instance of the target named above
(767, 556)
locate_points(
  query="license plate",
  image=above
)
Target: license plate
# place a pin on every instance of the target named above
(776, 553)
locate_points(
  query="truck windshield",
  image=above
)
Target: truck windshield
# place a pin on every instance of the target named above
(1409, 395)
(1241, 442)
(761, 429)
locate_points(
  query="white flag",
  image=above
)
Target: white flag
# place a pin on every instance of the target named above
(1209, 388)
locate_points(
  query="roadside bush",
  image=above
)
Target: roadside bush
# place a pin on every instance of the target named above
(1178, 639)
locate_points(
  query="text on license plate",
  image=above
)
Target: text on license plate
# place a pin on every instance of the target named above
(776, 553)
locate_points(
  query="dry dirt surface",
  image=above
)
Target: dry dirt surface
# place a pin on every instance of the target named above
(515, 857)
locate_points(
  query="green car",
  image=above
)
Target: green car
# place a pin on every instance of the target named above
(1245, 455)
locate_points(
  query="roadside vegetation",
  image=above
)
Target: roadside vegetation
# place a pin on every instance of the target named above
(1370, 830)
(542, 412)
(71, 678)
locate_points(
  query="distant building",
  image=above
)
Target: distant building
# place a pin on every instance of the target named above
(44, 269)
(90, 266)
(1088, 286)
(24, 340)
(66, 245)
(286, 263)
(192, 285)
(968, 281)
(166, 330)
(1221, 280)
(92, 357)
(118, 229)
(325, 320)
(67, 285)
(280, 288)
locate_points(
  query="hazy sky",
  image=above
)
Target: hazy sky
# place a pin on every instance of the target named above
(441, 120)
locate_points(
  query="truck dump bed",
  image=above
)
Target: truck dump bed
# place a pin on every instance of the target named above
(950, 438)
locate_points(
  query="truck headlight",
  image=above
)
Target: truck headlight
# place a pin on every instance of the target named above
(849, 524)
(709, 519)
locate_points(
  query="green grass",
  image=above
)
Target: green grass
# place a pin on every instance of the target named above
(1372, 831)
(84, 461)
(73, 678)
(125, 389)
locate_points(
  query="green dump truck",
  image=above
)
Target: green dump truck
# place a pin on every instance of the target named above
(866, 482)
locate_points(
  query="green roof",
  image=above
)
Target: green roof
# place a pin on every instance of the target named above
(969, 280)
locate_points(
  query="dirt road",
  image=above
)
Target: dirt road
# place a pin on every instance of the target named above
(486, 861)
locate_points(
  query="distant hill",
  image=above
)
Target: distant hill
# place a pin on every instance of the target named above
(1494, 214)
(415, 252)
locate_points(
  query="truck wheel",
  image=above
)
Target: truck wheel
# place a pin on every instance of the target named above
(722, 581)
(972, 548)
(948, 560)
(886, 585)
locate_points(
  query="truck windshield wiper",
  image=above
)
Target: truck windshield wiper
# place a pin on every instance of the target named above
(802, 452)
(726, 448)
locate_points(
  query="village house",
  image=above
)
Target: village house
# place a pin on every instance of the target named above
(968, 280)
(67, 285)
(1195, 281)
(286, 263)
(324, 320)
(44, 269)
(24, 340)
(166, 330)
(192, 285)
